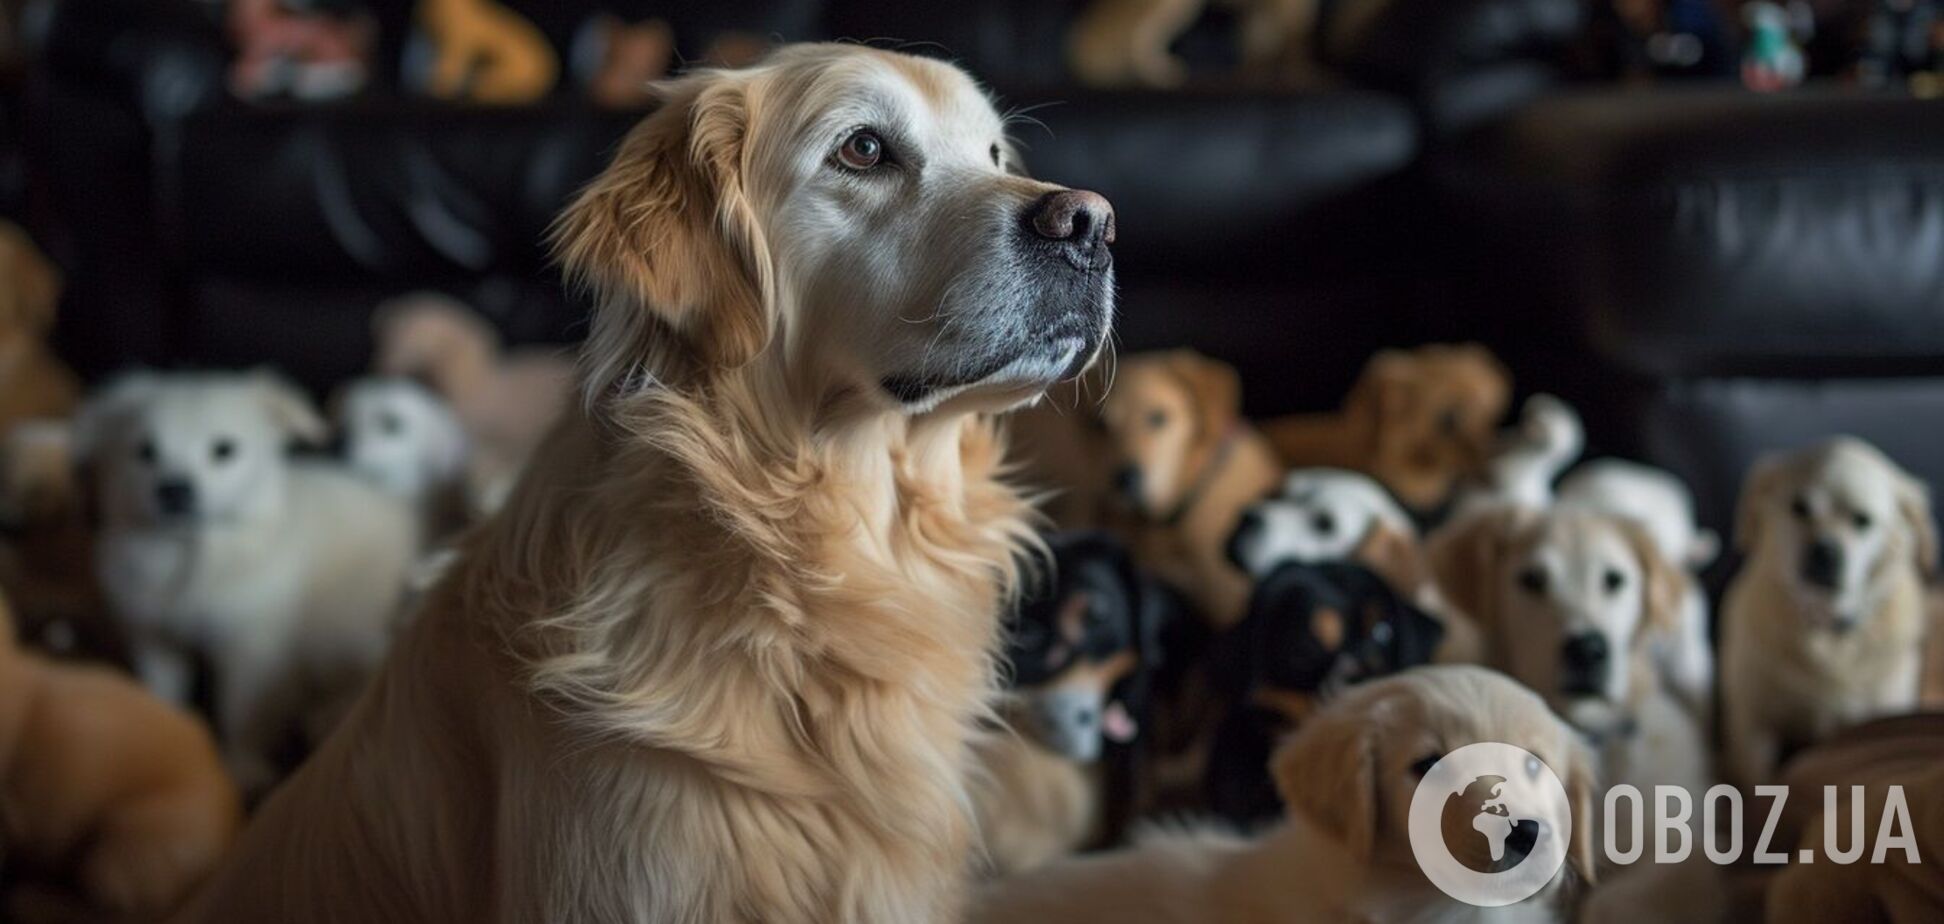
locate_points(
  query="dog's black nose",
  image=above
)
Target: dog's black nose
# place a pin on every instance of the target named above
(1081, 222)
(1822, 564)
(1244, 537)
(1127, 480)
(1585, 657)
(175, 496)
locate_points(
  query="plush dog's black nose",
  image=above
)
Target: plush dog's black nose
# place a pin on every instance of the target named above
(1127, 480)
(1081, 222)
(1246, 531)
(175, 496)
(1585, 658)
(1822, 564)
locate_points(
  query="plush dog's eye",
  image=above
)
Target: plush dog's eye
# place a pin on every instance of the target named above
(1861, 520)
(1613, 580)
(1800, 507)
(861, 151)
(998, 160)
(389, 424)
(1324, 523)
(1533, 581)
(146, 452)
(1157, 419)
(1425, 763)
(223, 449)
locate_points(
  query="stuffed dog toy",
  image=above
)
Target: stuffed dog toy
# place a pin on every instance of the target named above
(33, 384)
(1343, 851)
(1529, 457)
(409, 442)
(1419, 421)
(486, 53)
(47, 549)
(1310, 631)
(1823, 627)
(1085, 640)
(1188, 464)
(284, 574)
(114, 803)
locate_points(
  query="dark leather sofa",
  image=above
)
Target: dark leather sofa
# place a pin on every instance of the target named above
(1709, 273)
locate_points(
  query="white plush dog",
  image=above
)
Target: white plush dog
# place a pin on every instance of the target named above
(283, 573)
(408, 441)
(1660, 504)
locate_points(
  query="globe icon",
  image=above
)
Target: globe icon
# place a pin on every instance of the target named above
(1503, 838)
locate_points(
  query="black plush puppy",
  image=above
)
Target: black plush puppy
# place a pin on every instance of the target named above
(1310, 630)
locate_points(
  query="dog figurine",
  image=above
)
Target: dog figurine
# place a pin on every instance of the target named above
(1823, 627)
(283, 573)
(33, 383)
(1084, 642)
(1343, 852)
(486, 53)
(408, 441)
(1311, 630)
(1187, 464)
(116, 804)
(1419, 421)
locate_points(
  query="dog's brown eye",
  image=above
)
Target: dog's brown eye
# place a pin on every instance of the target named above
(1533, 580)
(146, 452)
(1157, 419)
(223, 450)
(1800, 507)
(1862, 520)
(1613, 580)
(861, 151)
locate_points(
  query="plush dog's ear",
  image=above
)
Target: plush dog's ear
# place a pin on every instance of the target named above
(1328, 771)
(1913, 505)
(1581, 785)
(1466, 558)
(668, 243)
(1759, 488)
(1666, 584)
(291, 408)
(1214, 386)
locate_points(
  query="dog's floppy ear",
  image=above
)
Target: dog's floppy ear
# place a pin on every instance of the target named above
(291, 408)
(1913, 506)
(1665, 584)
(1328, 771)
(1396, 555)
(667, 241)
(1580, 788)
(1759, 488)
(1215, 387)
(1465, 559)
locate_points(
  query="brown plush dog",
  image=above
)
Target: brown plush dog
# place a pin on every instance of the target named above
(1417, 420)
(32, 382)
(1188, 465)
(486, 53)
(105, 790)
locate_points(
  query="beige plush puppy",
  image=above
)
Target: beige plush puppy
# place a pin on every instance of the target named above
(1824, 625)
(1343, 854)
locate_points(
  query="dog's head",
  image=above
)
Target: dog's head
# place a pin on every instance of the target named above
(399, 434)
(855, 219)
(193, 448)
(1168, 416)
(1432, 413)
(1323, 515)
(1568, 598)
(1082, 643)
(1352, 769)
(1831, 522)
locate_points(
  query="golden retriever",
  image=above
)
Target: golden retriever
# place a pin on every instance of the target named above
(1188, 464)
(1823, 627)
(722, 655)
(1347, 778)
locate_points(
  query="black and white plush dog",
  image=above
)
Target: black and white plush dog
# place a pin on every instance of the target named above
(1311, 629)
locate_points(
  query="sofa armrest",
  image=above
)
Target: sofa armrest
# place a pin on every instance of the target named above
(1461, 61)
(159, 59)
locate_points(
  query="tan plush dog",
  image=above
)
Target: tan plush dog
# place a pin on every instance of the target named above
(1347, 776)
(486, 53)
(105, 789)
(47, 548)
(1189, 465)
(506, 400)
(1824, 625)
(32, 382)
(1125, 42)
(1419, 421)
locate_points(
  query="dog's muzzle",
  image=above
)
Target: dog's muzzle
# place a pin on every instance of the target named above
(1076, 224)
(1584, 661)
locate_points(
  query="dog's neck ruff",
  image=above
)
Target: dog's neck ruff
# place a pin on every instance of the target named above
(1211, 473)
